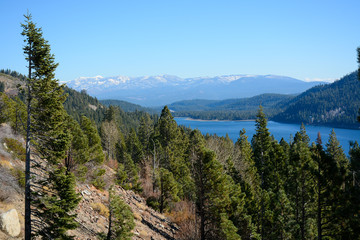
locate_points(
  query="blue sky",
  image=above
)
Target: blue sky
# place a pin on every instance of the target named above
(304, 39)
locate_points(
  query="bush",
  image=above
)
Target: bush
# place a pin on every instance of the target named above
(15, 148)
(153, 203)
(81, 173)
(98, 181)
(101, 209)
(19, 174)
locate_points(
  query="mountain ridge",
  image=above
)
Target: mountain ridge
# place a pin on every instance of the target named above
(165, 89)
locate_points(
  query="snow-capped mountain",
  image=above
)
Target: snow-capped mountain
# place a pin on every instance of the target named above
(165, 89)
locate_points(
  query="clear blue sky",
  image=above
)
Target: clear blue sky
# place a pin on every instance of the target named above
(305, 39)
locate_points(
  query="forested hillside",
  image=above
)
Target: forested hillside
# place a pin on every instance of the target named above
(64, 165)
(126, 106)
(230, 109)
(336, 104)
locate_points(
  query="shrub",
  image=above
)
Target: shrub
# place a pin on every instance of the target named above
(98, 181)
(19, 174)
(15, 148)
(101, 209)
(81, 173)
(153, 203)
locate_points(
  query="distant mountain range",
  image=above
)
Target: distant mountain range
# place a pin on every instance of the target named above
(166, 89)
(336, 104)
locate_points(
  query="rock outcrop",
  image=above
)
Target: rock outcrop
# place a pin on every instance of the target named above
(149, 223)
(9, 223)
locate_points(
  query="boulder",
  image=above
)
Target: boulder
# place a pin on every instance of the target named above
(9, 223)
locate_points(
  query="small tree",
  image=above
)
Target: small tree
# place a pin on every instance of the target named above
(168, 189)
(121, 219)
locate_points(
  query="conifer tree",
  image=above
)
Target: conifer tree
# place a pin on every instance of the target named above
(301, 188)
(77, 154)
(134, 148)
(127, 173)
(353, 208)
(145, 132)
(45, 132)
(334, 198)
(56, 208)
(262, 147)
(121, 219)
(168, 189)
(216, 197)
(94, 140)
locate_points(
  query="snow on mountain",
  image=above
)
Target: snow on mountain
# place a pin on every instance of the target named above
(165, 89)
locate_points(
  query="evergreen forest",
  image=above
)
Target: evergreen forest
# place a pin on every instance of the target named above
(210, 186)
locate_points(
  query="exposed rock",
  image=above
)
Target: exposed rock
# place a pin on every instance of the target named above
(9, 222)
(149, 223)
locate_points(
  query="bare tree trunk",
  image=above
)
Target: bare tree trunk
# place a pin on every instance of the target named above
(27, 162)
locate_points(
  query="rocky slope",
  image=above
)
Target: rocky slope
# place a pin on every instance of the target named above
(92, 210)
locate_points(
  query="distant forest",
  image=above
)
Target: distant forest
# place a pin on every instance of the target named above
(336, 104)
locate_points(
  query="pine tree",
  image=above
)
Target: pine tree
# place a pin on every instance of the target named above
(335, 197)
(217, 198)
(45, 132)
(127, 173)
(77, 154)
(134, 148)
(94, 140)
(56, 207)
(353, 186)
(302, 186)
(121, 219)
(145, 132)
(168, 189)
(262, 148)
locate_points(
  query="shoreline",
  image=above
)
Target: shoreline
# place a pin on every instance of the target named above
(216, 120)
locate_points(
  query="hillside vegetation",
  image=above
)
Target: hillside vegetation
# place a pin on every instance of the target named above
(336, 104)
(78, 174)
(230, 109)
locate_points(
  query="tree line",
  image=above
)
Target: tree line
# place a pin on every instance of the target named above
(212, 187)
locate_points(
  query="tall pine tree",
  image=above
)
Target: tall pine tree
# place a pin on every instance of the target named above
(46, 139)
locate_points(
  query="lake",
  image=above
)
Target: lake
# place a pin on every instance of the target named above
(278, 130)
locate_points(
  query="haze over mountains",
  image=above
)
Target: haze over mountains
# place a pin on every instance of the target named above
(166, 89)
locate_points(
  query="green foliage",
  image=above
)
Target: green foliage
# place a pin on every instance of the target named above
(58, 208)
(228, 229)
(80, 104)
(2, 87)
(126, 106)
(230, 109)
(327, 104)
(78, 151)
(81, 173)
(88, 127)
(127, 173)
(168, 189)
(12, 111)
(15, 148)
(98, 180)
(19, 174)
(14, 74)
(121, 219)
(153, 203)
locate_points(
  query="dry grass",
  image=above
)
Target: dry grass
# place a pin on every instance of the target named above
(101, 209)
(6, 164)
(137, 216)
(183, 214)
(143, 233)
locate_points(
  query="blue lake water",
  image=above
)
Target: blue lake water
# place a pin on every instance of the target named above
(278, 130)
